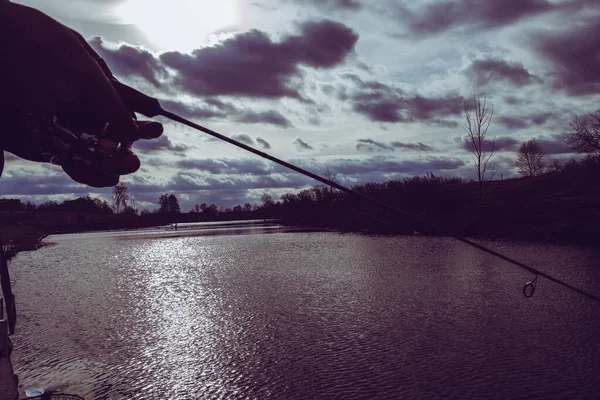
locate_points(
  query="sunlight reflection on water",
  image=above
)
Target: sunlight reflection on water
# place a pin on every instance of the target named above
(273, 314)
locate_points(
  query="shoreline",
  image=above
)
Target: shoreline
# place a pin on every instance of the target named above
(30, 238)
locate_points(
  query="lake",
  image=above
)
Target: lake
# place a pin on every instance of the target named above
(259, 311)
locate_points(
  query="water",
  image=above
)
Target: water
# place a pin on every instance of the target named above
(262, 313)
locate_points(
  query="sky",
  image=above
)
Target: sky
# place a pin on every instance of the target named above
(371, 90)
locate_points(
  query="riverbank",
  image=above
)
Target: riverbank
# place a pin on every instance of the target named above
(24, 237)
(558, 208)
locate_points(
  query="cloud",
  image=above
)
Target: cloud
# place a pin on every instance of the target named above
(381, 107)
(301, 145)
(352, 5)
(263, 143)
(500, 144)
(188, 111)
(521, 122)
(22, 183)
(128, 60)
(371, 145)
(440, 16)
(412, 146)
(483, 72)
(555, 144)
(243, 138)
(383, 103)
(572, 54)
(160, 144)
(214, 108)
(271, 117)
(394, 165)
(185, 181)
(223, 166)
(251, 64)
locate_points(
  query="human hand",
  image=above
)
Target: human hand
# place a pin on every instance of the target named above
(50, 71)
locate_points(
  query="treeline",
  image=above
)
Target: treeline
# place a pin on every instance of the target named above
(560, 205)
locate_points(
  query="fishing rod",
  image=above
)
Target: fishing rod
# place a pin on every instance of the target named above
(151, 107)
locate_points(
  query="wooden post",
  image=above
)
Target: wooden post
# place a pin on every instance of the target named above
(9, 298)
(4, 347)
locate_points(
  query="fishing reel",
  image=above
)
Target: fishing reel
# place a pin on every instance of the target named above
(61, 145)
(79, 145)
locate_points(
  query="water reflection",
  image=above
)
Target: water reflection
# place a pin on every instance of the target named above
(301, 315)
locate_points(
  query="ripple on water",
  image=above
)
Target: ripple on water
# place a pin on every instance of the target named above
(301, 315)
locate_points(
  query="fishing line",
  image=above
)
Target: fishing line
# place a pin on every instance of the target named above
(151, 107)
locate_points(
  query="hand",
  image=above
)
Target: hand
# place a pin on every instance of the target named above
(49, 70)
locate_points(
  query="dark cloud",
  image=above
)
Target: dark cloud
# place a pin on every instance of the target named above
(251, 64)
(522, 122)
(483, 72)
(502, 144)
(263, 143)
(339, 4)
(440, 16)
(214, 108)
(370, 84)
(512, 100)
(301, 145)
(382, 107)
(499, 144)
(243, 138)
(514, 122)
(412, 146)
(163, 143)
(573, 56)
(271, 117)
(187, 111)
(371, 145)
(388, 164)
(555, 144)
(129, 60)
(382, 103)
(21, 183)
(221, 166)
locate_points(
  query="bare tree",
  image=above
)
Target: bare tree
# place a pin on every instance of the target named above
(530, 158)
(120, 197)
(478, 117)
(332, 176)
(585, 134)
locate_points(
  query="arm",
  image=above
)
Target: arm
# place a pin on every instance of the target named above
(49, 70)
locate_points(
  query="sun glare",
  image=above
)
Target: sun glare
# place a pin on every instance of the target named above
(181, 25)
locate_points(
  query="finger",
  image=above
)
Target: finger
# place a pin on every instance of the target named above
(89, 176)
(149, 129)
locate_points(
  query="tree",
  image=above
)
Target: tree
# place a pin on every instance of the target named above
(332, 176)
(168, 204)
(267, 200)
(163, 202)
(585, 134)
(173, 204)
(120, 197)
(530, 158)
(478, 117)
